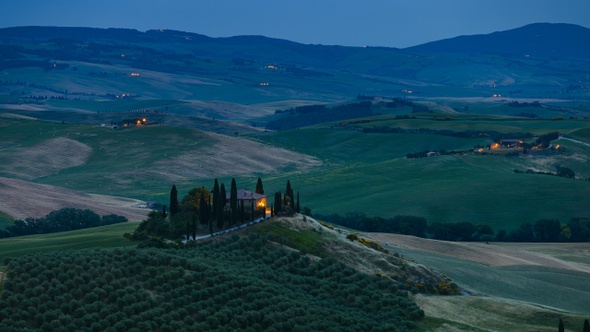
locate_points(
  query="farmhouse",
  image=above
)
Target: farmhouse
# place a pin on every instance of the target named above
(249, 197)
(508, 143)
(133, 122)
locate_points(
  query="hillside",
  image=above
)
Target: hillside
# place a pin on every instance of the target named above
(511, 271)
(98, 64)
(136, 162)
(324, 161)
(233, 255)
(198, 288)
(22, 199)
(541, 40)
(370, 172)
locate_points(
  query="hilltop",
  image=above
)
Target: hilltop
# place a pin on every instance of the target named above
(540, 40)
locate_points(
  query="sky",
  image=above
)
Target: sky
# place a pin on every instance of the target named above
(391, 23)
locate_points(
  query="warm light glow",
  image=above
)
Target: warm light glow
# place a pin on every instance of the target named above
(557, 146)
(495, 146)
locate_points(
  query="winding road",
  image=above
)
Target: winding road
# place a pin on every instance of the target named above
(574, 140)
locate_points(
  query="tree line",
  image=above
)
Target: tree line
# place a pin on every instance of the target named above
(203, 211)
(313, 114)
(543, 230)
(67, 219)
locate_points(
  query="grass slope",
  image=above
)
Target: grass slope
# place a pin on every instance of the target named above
(484, 313)
(99, 237)
(337, 169)
(370, 173)
(551, 275)
(138, 162)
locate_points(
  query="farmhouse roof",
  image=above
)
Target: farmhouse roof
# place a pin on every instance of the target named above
(245, 194)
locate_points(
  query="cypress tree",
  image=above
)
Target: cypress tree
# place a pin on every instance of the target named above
(242, 212)
(194, 220)
(288, 192)
(586, 326)
(188, 230)
(210, 219)
(173, 201)
(164, 211)
(259, 188)
(251, 210)
(215, 200)
(561, 327)
(298, 207)
(221, 206)
(203, 210)
(278, 203)
(233, 202)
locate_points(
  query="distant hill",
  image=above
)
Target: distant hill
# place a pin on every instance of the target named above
(237, 47)
(542, 40)
(542, 61)
(538, 40)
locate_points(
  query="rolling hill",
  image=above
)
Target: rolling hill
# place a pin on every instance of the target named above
(540, 40)
(420, 146)
(97, 64)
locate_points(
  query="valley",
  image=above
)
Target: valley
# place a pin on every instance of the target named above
(496, 136)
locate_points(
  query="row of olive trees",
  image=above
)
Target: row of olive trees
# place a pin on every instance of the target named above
(197, 290)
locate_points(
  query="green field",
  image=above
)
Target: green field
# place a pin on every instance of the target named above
(369, 173)
(361, 172)
(100, 237)
(561, 289)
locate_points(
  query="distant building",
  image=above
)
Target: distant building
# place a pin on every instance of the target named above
(248, 197)
(507, 143)
(133, 122)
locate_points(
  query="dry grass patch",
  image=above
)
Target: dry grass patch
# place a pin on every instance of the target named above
(21, 199)
(367, 260)
(231, 156)
(476, 313)
(494, 254)
(46, 158)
